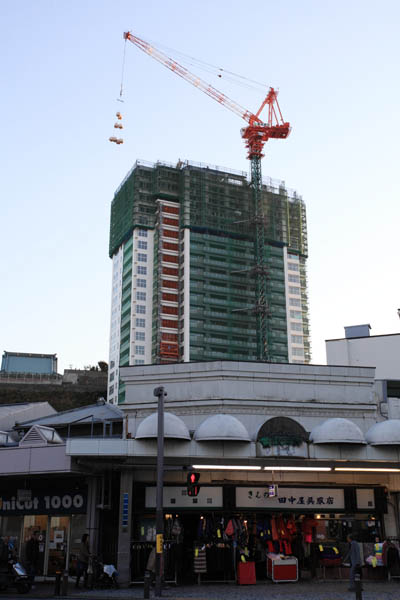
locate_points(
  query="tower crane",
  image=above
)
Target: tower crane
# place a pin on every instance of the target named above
(256, 134)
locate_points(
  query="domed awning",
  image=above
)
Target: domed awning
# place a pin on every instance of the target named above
(386, 433)
(337, 431)
(174, 427)
(224, 428)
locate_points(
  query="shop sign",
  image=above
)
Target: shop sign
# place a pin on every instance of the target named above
(365, 499)
(291, 499)
(285, 450)
(177, 497)
(44, 504)
(23, 495)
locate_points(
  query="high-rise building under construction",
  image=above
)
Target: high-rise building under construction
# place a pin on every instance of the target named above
(182, 242)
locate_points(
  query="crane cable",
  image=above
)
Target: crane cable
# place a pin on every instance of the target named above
(232, 76)
(122, 74)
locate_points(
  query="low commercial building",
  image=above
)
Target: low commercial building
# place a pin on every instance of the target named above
(291, 459)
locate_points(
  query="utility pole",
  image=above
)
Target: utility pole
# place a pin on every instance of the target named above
(160, 393)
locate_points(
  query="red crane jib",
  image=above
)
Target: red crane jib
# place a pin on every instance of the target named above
(257, 132)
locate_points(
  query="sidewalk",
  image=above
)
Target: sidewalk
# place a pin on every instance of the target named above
(318, 590)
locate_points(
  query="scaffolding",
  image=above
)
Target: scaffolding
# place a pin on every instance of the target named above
(216, 205)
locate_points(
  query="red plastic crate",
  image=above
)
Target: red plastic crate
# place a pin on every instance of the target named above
(246, 573)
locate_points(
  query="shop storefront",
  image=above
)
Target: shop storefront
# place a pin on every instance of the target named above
(207, 537)
(56, 513)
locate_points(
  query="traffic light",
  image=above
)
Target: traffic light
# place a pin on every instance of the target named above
(193, 487)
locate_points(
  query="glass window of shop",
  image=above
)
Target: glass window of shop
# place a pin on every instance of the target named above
(59, 538)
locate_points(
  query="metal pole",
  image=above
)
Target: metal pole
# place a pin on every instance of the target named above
(160, 393)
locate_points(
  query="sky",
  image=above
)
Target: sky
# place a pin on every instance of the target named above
(336, 65)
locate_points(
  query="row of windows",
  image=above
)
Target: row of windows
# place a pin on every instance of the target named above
(297, 339)
(297, 352)
(294, 290)
(295, 314)
(294, 278)
(293, 266)
(294, 301)
(139, 361)
(296, 326)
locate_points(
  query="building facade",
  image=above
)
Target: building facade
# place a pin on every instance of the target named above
(315, 434)
(183, 283)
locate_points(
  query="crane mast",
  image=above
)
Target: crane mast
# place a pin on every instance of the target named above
(255, 134)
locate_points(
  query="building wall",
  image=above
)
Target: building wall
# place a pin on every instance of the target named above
(209, 211)
(380, 351)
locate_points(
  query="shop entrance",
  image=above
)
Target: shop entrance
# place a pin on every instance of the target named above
(59, 539)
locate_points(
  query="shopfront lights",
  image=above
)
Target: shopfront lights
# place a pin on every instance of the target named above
(367, 470)
(256, 468)
(297, 468)
(227, 467)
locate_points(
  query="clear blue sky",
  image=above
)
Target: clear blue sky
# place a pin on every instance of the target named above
(336, 64)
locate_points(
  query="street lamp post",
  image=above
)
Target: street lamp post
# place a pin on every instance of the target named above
(160, 393)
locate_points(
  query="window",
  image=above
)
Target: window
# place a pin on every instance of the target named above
(294, 278)
(111, 390)
(142, 244)
(141, 283)
(297, 339)
(139, 361)
(141, 296)
(140, 336)
(293, 266)
(297, 352)
(139, 350)
(141, 309)
(142, 232)
(294, 301)
(296, 326)
(142, 257)
(140, 322)
(295, 314)
(112, 375)
(141, 270)
(294, 290)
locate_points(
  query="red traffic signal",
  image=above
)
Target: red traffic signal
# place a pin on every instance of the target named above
(192, 484)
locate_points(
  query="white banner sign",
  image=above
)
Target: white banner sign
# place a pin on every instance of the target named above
(176, 497)
(318, 499)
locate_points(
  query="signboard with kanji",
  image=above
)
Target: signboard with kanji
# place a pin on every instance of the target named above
(316, 499)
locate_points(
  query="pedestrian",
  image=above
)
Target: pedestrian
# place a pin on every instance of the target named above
(354, 556)
(151, 564)
(83, 561)
(32, 556)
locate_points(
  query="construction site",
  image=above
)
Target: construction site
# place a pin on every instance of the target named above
(208, 312)
(225, 262)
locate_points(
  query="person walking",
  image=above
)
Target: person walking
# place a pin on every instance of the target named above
(83, 561)
(32, 556)
(354, 556)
